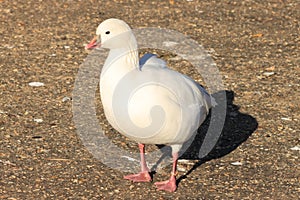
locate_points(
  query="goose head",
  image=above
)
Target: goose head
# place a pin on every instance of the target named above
(112, 34)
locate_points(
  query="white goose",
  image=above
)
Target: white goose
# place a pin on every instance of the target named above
(145, 100)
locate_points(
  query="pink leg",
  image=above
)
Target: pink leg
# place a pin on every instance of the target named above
(169, 185)
(144, 175)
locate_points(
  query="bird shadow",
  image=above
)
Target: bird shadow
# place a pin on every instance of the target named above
(237, 128)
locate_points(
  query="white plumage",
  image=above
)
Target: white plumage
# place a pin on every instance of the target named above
(144, 99)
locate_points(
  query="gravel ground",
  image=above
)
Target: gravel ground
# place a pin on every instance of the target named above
(255, 45)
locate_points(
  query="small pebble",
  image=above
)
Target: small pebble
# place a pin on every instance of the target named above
(187, 162)
(131, 187)
(181, 169)
(36, 84)
(237, 163)
(296, 148)
(268, 73)
(38, 120)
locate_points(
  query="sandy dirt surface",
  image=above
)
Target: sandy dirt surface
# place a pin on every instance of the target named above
(256, 46)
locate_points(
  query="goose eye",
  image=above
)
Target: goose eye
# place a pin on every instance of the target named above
(107, 32)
